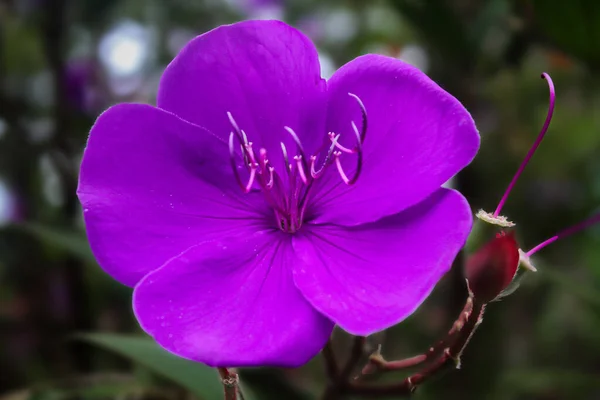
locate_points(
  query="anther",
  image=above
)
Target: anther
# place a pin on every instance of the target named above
(251, 166)
(299, 147)
(262, 154)
(359, 162)
(242, 138)
(269, 184)
(363, 110)
(340, 147)
(286, 159)
(301, 171)
(313, 159)
(240, 135)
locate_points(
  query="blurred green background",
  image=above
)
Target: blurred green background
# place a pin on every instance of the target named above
(64, 61)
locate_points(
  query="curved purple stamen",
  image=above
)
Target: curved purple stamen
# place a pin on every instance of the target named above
(363, 110)
(289, 201)
(363, 132)
(236, 129)
(251, 167)
(286, 159)
(535, 144)
(359, 162)
(313, 159)
(300, 148)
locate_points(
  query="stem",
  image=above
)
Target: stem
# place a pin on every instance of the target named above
(230, 384)
(563, 234)
(536, 144)
(450, 356)
(378, 364)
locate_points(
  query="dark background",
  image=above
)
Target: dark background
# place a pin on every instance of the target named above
(62, 62)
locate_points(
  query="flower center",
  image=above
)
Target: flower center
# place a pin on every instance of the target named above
(289, 201)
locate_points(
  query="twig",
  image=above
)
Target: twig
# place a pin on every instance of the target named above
(378, 364)
(450, 357)
(230, 382)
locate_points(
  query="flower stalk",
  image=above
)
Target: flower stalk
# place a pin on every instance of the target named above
(444, 354)
(230, 381)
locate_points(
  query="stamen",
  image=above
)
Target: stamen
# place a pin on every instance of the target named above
(249, 153)
(534, 147)
(286, 159)
(262, 155)
(359, 162)
(299, 147)
(563, 234)
(252, 167)
(363, 111)
(240, 135)
(301, 171)
(269, 184)
(363, 132)
(340, 147)
(313, 159)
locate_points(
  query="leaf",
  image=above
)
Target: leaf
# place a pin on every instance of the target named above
(195, 377)
(70, 241)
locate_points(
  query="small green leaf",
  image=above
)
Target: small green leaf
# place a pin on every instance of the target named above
(197, 378)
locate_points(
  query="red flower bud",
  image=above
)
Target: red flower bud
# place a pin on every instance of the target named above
(492, 268)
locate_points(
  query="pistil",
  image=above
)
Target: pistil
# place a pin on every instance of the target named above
(495, 218)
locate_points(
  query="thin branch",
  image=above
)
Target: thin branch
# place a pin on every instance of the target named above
(378, 364)
(230, 382)
(450, 357)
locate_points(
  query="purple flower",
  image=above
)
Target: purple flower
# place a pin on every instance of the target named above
(258, 205)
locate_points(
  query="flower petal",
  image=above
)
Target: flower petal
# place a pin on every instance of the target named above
(152, 185)
(265, 73)
(418, 137)
(232, 303)
(369, 277)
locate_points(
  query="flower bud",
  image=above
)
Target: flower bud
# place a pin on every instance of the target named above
(492, 268)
